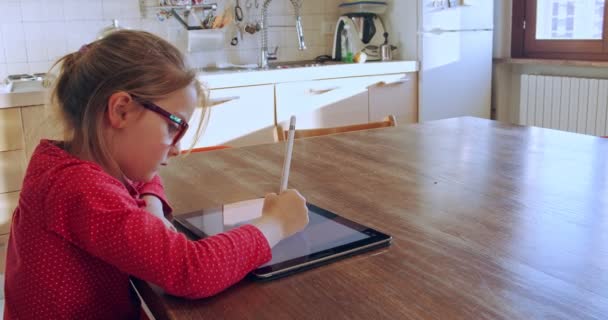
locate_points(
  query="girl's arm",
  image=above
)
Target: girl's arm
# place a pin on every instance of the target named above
(154, 189)
(155, 207)
(103, 220)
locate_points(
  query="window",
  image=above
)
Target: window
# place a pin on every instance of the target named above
(560, 29)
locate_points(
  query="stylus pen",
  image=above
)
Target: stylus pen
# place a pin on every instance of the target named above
(288, 151)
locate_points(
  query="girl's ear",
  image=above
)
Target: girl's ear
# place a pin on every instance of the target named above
(120, 109)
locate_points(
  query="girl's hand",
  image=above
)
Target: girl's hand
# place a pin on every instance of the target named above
(282, 215)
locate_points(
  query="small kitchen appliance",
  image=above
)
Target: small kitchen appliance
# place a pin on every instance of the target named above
(359, 29)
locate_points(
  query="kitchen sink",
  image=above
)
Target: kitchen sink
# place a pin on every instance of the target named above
(301, 64)
(228, 69)
(274, 66)
(26, 86)
(17, 83)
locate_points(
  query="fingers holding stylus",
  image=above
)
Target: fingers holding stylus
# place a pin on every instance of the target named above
(289, 209)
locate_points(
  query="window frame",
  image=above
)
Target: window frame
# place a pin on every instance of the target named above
(525, 45)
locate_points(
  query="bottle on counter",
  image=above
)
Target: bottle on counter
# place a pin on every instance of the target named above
(347, 51)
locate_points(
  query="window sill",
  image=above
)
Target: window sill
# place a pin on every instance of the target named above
(553, 62)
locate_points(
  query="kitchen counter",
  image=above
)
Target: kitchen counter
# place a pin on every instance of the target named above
(227, 79)
(24, 98)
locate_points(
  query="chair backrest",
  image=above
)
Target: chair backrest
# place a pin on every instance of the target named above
(203, 149)
(281, 134)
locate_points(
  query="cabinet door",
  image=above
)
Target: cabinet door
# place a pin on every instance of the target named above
(396, 95)
(238, 117)
(40, 122)
(12, 164)
(8, 203)
(11, 137)
(323, 103)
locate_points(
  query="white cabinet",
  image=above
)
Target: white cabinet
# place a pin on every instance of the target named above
(323, 103)
(345, 101)
(11, 137)
(8, 203)
(12, 166)
(396, 95)
(237, 117)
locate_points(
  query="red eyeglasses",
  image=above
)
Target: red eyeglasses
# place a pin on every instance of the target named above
(178, 126)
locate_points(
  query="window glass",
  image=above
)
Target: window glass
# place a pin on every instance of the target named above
(569, 19)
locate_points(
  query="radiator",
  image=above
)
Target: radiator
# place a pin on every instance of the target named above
(564, 103)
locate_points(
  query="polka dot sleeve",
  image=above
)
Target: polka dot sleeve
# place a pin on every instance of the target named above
(155, 187)
(96, 213)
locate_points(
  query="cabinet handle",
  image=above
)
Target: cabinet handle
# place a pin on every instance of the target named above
(390, 83)
(216, 102)
(321, 91)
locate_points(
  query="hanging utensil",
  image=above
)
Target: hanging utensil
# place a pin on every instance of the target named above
(238, 11)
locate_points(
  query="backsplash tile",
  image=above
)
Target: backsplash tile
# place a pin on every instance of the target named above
(40, 11)
(83, 10)
(14, 42)
(34, 33)
(11, 11)
(15, 68)
(2, 57)
(35, 41)
(56, 39)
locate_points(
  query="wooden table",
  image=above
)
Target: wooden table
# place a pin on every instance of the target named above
(489, 221)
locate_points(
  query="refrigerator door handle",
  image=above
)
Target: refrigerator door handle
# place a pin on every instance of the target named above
(439, 31)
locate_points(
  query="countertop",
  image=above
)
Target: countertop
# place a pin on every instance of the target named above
(228, 79)
(219, 79)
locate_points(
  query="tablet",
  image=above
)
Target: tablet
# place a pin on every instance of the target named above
(326, 238)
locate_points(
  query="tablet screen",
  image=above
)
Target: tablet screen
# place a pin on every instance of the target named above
(326, 235)
(322, 233)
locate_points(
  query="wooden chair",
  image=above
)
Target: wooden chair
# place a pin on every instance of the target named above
(281, 135)
(203, 149)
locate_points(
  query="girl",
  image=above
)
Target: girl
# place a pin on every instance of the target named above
(92, 207)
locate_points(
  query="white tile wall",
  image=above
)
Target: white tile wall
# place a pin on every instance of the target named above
(35, 33)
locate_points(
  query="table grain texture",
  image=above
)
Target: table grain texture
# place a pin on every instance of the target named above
(489, 221)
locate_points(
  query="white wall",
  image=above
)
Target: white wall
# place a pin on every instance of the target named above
(34, 33)
(502, 28)
(506, 77)
(401, 20)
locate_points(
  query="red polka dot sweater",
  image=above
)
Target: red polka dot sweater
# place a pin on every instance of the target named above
(78, 234)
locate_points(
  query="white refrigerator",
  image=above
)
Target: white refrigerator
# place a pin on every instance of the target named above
(455, 54)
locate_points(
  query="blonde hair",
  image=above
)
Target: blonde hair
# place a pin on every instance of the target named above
(136, 62)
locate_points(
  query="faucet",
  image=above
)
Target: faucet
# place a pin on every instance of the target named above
(265, 55)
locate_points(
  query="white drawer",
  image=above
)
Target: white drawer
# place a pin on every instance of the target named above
(238, 117)
(12, 169)
(11, 134)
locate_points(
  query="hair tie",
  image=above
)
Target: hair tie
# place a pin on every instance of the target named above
(84, 48)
